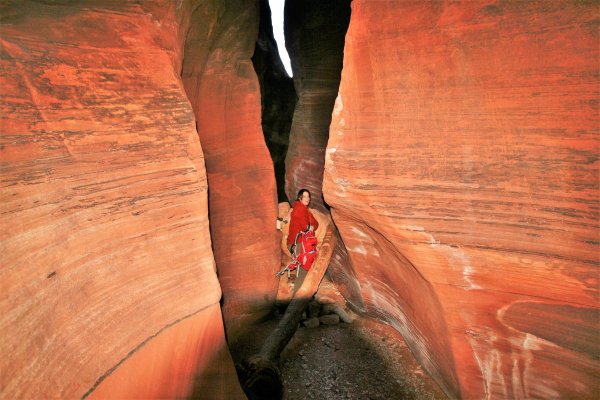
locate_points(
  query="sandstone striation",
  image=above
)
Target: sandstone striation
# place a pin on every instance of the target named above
(462, 173)
(461, 170)
(224, 91)
(108, 279)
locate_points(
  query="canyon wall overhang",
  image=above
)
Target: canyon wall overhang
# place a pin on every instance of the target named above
(224, 91)
(108, 283)
(462, 173)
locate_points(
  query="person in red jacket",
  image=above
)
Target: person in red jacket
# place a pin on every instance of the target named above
(301, 217)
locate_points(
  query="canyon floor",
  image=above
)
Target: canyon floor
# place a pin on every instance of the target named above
(365, 359)
(362, 360)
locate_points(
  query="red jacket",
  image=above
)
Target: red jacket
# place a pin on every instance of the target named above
(301, 217)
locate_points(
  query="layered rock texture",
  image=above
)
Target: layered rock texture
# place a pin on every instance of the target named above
(224, 91)
(314, 36)
(108, 281)
(462, 172)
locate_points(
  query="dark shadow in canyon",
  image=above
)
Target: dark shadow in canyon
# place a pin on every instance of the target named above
(278, 97)
(315, 35)
(296, 113)
(364, 359)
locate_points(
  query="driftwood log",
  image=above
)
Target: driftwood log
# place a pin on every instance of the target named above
(259, 374)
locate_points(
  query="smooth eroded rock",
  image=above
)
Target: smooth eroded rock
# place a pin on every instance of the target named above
(462, 172)
(223, 88)
(314, 33)
(104, 237)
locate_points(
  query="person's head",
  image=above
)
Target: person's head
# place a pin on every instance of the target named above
(303, 196)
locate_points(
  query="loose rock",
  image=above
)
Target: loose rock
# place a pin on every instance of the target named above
(333, 359)
(330, 319)
(311, 322)
(313, 309)
(343, 314)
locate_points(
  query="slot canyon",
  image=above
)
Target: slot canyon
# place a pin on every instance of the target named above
(146, 147)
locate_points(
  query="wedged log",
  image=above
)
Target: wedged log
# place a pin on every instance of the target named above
(107, 277)
(286, 328)
(259, 374)
(462, 174)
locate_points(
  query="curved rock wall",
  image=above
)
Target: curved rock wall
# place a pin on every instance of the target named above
(223, 87)
(106, 260)
(462, 172)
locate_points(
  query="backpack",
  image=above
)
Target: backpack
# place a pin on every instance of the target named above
(304, 252)
(306, 249)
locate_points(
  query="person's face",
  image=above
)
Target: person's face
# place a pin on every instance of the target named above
(305, 198)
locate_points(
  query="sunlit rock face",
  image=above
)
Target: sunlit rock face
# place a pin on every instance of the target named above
(107, 279)
(462, 172)
(314, 35)
(224, 91)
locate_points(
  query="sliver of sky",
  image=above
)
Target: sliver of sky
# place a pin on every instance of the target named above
(277, 20)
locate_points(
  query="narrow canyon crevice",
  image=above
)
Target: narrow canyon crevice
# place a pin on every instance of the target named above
(278, 98)
(454, 145)
(314, 35)
(223, 89)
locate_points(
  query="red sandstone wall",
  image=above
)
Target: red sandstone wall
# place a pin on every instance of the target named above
(107, 278)
(225, 95)
(462, 171)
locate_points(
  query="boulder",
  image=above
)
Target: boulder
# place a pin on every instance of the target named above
(311, 322)
(329, 319)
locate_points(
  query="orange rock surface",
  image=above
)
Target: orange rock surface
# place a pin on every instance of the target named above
(461, 168)
(106, 260)
(462, 172)
(225, 96)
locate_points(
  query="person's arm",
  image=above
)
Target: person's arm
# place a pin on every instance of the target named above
(295, 227)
